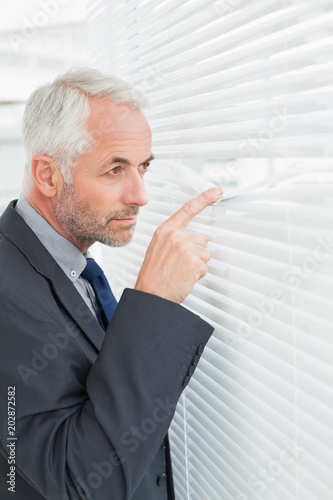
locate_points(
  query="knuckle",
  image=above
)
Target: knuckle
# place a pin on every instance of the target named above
(206, 196)
(174, 233)
(204, 270)
(158, 231)
(194, 261)
(173, 236)
(181, 246)
(188, 208)
(208, 256)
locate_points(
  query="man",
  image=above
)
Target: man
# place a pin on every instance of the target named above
(88, 411)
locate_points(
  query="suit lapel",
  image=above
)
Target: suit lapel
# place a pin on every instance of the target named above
(19, 233)
(77, 308)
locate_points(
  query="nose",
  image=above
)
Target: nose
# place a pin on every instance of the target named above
(134, 191)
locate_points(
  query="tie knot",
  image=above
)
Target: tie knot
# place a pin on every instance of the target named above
(92, 270)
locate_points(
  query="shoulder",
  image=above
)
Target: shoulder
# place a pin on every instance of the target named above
(24, 261)
(16, 272)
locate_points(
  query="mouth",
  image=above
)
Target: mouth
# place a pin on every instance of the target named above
(131, 220)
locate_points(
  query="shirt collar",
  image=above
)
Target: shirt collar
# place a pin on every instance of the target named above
(67, 255)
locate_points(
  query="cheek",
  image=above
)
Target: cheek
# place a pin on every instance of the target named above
(99, 194)
(102, 199)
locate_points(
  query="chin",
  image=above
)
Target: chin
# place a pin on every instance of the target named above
(116, 244)
(120, 241)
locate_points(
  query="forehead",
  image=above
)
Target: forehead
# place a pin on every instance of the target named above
(113, 122)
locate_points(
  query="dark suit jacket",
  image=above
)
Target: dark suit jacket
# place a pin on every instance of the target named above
(91, 411)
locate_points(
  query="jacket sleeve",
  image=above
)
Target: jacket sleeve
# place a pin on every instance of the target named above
(90, 429)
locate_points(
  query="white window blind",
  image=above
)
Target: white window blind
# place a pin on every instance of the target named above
(242, 80)
(226, 79)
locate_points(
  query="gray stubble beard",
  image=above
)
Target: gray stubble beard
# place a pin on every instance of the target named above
(84, 226)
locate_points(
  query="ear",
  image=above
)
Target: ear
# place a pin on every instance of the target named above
(47, 176)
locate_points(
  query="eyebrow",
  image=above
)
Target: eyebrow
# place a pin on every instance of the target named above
(124, 161)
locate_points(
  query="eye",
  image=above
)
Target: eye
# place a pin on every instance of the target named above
(114, 171)
(144, 166)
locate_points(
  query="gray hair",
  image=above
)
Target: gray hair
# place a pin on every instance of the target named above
(56, 114)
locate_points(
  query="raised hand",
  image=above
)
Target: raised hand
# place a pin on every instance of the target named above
(175, 260)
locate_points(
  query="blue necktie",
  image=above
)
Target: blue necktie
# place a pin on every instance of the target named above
(106, 303)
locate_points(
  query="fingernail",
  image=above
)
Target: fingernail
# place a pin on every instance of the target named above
(217, 191)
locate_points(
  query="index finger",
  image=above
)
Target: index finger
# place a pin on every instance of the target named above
(185, 214)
